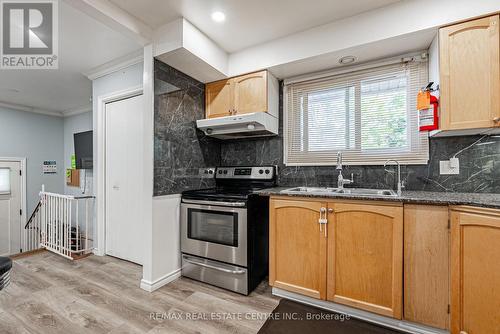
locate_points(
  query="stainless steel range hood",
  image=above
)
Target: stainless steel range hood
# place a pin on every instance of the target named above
(256, 124)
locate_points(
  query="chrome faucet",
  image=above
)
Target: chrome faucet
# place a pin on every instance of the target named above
(400, 185)
(340, 180)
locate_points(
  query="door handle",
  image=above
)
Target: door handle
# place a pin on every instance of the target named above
(206, 265)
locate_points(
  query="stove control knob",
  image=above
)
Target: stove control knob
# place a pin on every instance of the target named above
(225, 171)
(261, 171)
(210, 171)
(220, 172)
(267, 171)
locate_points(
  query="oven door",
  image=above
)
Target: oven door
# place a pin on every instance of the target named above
(215, 230)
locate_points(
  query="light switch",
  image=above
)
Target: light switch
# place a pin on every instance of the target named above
(449, 167)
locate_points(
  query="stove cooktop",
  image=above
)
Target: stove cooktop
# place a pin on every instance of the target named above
(220, 193)
(235, 183)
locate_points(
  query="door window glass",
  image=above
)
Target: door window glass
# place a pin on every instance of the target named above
(4, 181)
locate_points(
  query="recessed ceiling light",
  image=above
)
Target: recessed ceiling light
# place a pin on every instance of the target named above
(218, 16)
(347, 60)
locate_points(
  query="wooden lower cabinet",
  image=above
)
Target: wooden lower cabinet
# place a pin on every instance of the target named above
(427, 265)
(297, 254)
(475, 271)
(365, 250)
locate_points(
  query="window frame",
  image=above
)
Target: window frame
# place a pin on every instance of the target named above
(417, 150)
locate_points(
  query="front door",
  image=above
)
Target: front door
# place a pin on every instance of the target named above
(10, 207)
(124, 147)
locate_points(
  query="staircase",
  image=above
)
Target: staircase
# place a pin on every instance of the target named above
(61, 224)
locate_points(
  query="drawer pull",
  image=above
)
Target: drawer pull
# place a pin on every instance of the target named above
(205, 265)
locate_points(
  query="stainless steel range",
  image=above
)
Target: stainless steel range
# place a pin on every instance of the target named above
(225, 230)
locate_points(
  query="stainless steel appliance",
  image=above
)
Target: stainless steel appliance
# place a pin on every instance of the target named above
(224, 230)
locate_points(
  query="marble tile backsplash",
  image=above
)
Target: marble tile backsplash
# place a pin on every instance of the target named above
(180, 149)
(479, 165)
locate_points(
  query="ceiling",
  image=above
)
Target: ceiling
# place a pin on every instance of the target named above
(84, 43)
(248, 22)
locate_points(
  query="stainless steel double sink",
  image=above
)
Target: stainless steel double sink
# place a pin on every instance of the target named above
(341, 191)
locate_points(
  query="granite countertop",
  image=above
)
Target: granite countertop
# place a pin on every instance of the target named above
(415, 197)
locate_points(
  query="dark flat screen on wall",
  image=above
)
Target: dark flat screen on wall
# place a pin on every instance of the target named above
(84, 150)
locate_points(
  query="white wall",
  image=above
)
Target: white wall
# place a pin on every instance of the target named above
(127, 78)
(434, 63)
(37, 138)
(165, 263)
(75, 124)
(401, 19)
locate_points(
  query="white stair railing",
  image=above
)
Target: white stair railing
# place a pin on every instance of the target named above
(64, 224)
(31, 235)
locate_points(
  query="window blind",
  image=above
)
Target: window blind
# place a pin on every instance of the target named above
(370, 115)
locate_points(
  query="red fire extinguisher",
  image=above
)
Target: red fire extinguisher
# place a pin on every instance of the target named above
(429, 118)
(428, 114)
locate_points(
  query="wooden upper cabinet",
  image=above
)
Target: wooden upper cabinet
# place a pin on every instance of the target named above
(427, 265)
(250, 92)
(218, 99)
(253, 92)
(475, 271)
(470, 75)
(297, 252)
(365, 251)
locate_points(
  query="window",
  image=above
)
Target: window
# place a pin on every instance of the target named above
(370, 115)
(4, 181)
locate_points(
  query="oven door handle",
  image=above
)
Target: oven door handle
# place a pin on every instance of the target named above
(194, 201)
(206, 265)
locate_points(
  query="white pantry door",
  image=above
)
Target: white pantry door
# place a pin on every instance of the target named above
(124, 147)
(10, 207)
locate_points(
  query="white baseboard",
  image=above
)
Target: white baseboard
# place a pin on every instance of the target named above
(400, 325)
(98, 252)
(152, 286)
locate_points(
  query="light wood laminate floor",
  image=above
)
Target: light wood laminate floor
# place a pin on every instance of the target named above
(49, 294)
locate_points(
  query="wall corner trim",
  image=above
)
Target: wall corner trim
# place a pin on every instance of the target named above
(164, 280)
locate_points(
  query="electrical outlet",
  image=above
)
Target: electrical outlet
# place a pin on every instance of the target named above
(449, 167)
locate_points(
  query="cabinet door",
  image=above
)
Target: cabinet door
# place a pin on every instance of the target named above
(426, 265)
(218, 99)
(475, 271)
(250, 92)
(470, 76)
(365, 257)
(297, 254)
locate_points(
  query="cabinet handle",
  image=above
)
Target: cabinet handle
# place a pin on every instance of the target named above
(330, 210)
(234, 112)
(496, 119)
(463, 332)
(323, 220)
